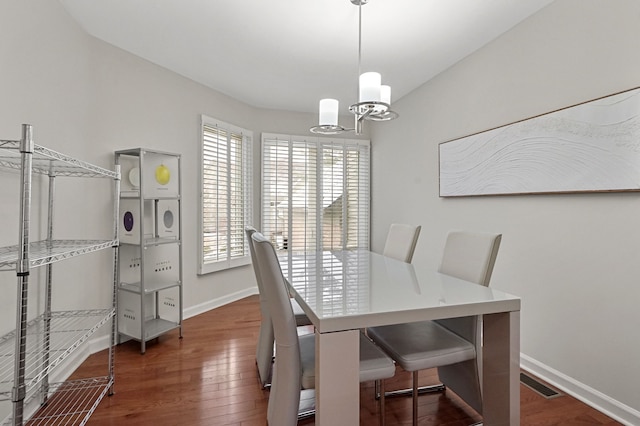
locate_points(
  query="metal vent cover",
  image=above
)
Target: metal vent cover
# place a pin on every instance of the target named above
(538, 387)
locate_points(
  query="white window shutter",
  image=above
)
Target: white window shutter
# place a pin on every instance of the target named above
(315, 193)
(226, 206)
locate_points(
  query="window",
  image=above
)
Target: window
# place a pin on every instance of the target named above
(226, 207)
(315, 193)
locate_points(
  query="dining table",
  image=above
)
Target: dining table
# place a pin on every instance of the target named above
(345, 291)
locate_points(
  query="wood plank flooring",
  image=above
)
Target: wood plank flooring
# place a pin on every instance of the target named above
(209, 378)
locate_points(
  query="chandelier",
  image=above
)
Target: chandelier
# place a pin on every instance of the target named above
(374, 98)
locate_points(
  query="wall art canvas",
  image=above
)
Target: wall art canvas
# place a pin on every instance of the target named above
(590, 147)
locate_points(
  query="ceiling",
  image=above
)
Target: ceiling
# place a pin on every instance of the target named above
(288, 54)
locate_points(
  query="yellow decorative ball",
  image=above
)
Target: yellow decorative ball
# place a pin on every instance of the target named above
(163, 174)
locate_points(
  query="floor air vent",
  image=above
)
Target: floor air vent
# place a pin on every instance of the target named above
(540, 388)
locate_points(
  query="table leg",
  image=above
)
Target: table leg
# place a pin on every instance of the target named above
(501, 369)
(338, 378)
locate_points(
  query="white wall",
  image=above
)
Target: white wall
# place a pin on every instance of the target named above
(574, 259)
(87, 99)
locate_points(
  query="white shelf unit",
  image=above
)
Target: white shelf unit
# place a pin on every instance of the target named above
(150, 263)
(38, 346)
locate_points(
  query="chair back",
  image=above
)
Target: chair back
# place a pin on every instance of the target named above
(401, 241)
(264, 348)
(284, 397)
(469, 256)
(249, 231)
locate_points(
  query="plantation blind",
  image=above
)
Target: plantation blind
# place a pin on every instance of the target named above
(226, 204)
(315, 192)
(316, 196)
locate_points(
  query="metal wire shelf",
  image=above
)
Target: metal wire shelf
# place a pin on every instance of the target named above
(70, 403)
(68, 330)
(45, 252)
(47, 161)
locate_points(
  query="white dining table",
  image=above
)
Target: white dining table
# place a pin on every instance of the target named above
(343, 292)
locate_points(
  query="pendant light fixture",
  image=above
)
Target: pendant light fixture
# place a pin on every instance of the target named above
(374, 98)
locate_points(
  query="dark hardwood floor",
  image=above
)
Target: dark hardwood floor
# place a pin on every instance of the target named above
(209, 378)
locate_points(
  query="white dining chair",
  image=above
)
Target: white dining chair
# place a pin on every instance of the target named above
(401, 241)
(294, 367)
(452, 345)
(264, 347)
(400, 245)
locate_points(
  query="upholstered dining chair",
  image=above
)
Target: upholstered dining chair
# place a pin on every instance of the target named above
(294, 367)
(452, 345)
(401, 241)
(400, 245)
(264, 348)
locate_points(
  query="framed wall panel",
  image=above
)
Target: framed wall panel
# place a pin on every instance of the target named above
(590, 147)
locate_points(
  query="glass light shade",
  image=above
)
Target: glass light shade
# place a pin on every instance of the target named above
(370, 83)
(385, 94)
(328, 112)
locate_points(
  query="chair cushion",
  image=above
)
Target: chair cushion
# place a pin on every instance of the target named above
(421, 345)
(374, 363)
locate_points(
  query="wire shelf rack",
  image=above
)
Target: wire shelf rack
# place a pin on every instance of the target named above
(68, 330)
(39, 350)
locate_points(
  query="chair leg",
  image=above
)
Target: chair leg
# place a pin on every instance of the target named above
(415, 398)
(380, 384)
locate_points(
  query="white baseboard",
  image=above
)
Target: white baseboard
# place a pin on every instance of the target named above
(98, 344)
(102, 342)
(221, 301)
(596, 399)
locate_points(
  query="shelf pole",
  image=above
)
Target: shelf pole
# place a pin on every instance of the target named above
(22, 272)
(116, 276)
(143, 247)
(44, 389)
(180, 314)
